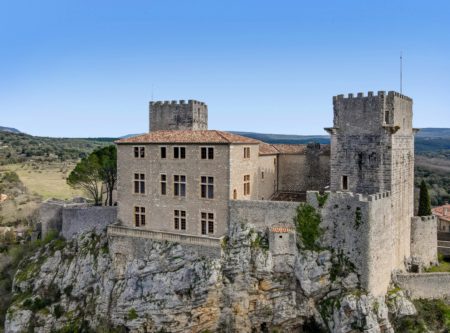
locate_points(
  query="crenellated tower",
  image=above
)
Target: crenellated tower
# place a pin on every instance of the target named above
(372, 151)
(178, 115)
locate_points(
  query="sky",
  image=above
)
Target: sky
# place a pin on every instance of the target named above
(89, 68)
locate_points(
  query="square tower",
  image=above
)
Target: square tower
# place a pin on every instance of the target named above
(372, 143)
(178, 115)
(372, 151)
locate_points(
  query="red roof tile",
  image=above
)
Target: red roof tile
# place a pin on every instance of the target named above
(442, 212)
(189, 136)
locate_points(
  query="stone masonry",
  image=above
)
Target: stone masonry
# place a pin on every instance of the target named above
(175, 115)
(368, 169)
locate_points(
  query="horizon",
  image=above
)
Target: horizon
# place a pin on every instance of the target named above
(90, 70)
(231, 131)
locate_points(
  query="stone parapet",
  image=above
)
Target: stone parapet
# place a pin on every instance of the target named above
(117, 230)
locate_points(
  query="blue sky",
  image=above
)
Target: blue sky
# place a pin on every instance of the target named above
(87, 68)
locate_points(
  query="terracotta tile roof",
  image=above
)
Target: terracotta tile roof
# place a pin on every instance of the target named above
(272, 149)
(442, 212)
(282, 227)
(267, 149)
(188, 136)
(290, 148)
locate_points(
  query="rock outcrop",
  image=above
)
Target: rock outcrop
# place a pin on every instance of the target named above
(76, 284)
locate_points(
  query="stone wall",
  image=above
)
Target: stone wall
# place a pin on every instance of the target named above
(424, 239)
(304, 172)
(160, 207)
(125, 249)
(261, 214)
(51, 213)
(76, 220)
(70, 218)
(267, 176)
(174, 115)
(355, 225)
(425, 285)
(240, 166)
(50, 216)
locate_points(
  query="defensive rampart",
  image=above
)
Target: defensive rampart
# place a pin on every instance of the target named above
(70, 218)
(425, 285)
(356, 225)
(424, 239)
(76, 220)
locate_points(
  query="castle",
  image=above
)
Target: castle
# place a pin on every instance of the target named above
(182, 182)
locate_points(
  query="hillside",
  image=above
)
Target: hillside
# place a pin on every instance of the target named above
(9, 129)
(285, 138)
(20, 147)
(433, 142)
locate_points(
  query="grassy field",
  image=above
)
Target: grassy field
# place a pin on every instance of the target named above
(47, 180)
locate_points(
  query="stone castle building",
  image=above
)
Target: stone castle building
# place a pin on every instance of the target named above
(182, 182)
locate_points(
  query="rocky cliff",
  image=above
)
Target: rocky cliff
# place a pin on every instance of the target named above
(76, 285)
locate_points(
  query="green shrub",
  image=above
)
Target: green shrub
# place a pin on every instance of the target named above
(321, 199)
(307, 222)
(132, 314)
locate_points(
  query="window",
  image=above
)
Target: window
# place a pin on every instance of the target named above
(163, 184)
(262, 174)
(344, 183)
(179, 183)
(207, 153)
(139, 216)
(139, 152)
(163, 152)
(247, 185)
(139, 183)
(246, 152)
(386, 117)
(179, 219)
(207, 187)
(179, 152)
(207, 220)
(234, 194)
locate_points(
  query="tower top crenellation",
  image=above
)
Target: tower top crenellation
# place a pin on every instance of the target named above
(370, 94)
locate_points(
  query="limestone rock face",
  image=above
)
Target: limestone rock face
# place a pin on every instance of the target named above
(172, 289)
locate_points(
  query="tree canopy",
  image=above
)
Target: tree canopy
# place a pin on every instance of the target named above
(424, 200)
(97, 174)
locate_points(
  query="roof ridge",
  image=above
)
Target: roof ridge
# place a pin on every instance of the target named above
(222, 136)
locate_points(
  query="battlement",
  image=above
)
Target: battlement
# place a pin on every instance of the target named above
(178, 115)
(424, 218)
(362, 197)
(370, 94)
(180, 102)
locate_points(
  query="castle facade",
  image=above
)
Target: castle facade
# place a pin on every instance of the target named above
(185, 183)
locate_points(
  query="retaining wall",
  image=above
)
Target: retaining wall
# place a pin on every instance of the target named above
(127, 244)
(261, 213)
(76, 220)
(425, 285)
